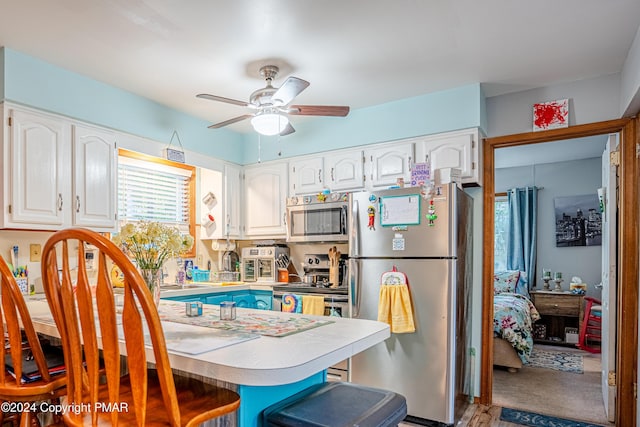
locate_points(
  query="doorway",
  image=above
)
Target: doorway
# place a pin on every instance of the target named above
(559, 379)
(628, 254)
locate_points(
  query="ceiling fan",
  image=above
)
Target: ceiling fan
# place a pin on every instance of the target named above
(271, 105)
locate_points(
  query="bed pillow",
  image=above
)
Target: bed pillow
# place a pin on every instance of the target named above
(505, 281)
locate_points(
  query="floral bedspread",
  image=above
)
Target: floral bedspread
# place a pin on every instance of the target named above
(513, 317)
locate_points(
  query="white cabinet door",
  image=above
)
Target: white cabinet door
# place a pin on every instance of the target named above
(306, 175)
(453, 150)
(344, 170)
(95, 188)
(212, 221)
(388, 163)
(40, 164)
(265, 198)
(232, 201)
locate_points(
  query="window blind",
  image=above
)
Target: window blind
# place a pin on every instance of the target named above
(152, 192)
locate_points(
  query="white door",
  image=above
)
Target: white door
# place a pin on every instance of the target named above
(265, 199)
(389, 163)
(345, 170)
(232, 200)
(609, 280)
(306, 176)
(40, 170)
(94, 181)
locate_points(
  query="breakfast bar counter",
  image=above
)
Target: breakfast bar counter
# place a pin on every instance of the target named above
(264, 363)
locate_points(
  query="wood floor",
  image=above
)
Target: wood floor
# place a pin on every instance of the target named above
(478, 416)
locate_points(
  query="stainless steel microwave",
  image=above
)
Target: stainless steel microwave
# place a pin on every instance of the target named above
(310, 219)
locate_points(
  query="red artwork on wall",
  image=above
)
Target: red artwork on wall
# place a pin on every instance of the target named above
(551, 115)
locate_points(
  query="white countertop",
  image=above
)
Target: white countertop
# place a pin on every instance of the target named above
(265, 361)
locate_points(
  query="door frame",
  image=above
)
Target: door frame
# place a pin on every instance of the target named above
(628, 250)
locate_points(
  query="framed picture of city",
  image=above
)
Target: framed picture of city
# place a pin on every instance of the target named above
(578, 221)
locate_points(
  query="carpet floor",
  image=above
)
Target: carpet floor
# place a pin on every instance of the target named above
(551, 392)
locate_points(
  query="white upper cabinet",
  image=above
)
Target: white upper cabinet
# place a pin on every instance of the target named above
(306, 175)
(344, 170)
(38, 171)
(212, 221)
(265, 199)
(57, 174)
(460, 149)
(389, 162)
(232, 208)
(95, 192)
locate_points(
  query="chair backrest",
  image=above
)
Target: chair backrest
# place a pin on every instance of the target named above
(78, 312)
(13, 314)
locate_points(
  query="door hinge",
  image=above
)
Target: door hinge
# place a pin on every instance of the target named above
(473, 165)
(9, 121)
(614, 158)
(9, 208)
(473, 144)
(635, 391)
(294, 169)
(611, 379)
(637, 150)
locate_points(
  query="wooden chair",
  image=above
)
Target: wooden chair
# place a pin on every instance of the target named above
(16, 326)
(150, 396)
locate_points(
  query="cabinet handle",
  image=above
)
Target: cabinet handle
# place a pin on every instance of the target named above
(59, 201)
(332, 178)
(409, 164)
(77, 204)
(319, 175)
(284, 218)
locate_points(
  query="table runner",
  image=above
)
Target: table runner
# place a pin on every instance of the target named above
(261, 323)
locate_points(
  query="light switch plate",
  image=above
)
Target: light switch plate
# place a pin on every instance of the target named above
(35, 252)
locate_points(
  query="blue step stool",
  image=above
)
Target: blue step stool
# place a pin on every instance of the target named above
(338, 404)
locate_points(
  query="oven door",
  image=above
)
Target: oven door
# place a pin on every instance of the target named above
(249, 270)
(334, 305)
(317, 223)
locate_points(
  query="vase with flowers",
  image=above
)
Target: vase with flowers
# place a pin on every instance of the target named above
(150, 244)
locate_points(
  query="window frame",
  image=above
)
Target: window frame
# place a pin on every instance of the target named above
(191, 187)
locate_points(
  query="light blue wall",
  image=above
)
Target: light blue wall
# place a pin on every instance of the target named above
(443, 111)
(630, 102)
(35, 83)
(30, 81)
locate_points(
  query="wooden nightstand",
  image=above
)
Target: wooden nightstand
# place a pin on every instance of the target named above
(558, 310)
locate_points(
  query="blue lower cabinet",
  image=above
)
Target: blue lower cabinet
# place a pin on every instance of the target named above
(244, 300)
(216, 298)
(264, 300)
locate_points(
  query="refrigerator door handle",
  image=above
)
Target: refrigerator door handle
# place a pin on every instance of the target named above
(356, 286)
(354, 230)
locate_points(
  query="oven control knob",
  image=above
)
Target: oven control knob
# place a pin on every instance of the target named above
(269, 252)
(310, 261)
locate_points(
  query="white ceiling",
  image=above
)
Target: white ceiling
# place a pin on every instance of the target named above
(358, 53)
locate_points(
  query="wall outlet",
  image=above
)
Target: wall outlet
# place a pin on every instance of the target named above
(35, 252)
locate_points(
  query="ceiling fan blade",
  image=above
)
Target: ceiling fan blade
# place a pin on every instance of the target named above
(289, 90)
(230, 121)
(222, 99)
(288, 130)
(318, 110)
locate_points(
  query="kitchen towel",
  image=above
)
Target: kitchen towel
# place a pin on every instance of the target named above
(394, 303)
(291, 303)
(313, 304)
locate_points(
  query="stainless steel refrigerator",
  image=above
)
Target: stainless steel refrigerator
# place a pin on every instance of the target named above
(429, 366)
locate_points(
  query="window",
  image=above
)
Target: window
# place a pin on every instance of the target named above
(154, 189)
(501, 221)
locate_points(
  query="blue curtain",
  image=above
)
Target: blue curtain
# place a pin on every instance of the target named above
(522, 231)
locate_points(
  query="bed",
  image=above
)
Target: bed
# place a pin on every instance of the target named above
(513, 318)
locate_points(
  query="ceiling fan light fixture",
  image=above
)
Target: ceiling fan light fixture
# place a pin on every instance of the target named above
(269, 123)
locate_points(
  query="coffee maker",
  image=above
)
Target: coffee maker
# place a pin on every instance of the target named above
(230, 261)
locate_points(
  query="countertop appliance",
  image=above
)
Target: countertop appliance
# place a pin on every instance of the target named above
(260, 263)
(320, 218)
(429, 366)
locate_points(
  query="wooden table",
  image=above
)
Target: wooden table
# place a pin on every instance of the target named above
(558, 310)
(263, 370)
